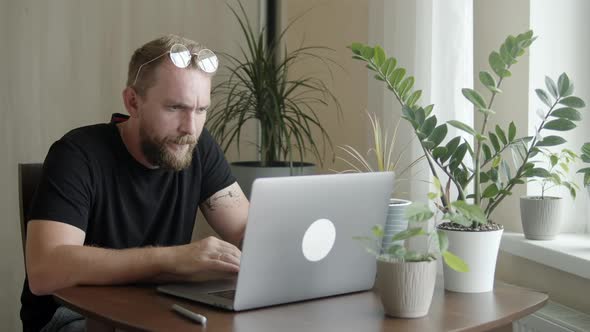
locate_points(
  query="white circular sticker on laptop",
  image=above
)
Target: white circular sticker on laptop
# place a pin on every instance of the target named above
(318, 240)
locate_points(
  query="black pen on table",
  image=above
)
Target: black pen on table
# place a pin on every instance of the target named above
(190, 315)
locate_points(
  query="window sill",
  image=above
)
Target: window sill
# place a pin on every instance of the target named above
(568, 252)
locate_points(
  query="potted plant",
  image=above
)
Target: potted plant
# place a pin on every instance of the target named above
(259, 88)
(473, 234)
(381, 158)
(586, 170)
(542, 215)
(406, 279)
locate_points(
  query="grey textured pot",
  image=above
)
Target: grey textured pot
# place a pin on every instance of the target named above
(541, 218)
(406, 289)
(396, 222)
(247, 171)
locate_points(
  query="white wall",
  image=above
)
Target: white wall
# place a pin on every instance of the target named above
(63, 64)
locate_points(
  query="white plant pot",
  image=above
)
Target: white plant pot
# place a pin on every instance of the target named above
(541, 218)
(406, 289)
(396, 222)
(480, 251)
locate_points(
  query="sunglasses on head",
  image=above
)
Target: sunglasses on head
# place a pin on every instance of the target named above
(181, 57)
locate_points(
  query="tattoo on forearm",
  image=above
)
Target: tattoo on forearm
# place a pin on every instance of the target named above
(230, 199)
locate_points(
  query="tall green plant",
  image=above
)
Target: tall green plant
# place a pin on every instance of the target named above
(586, 170)
(491, 177)
(260, 88)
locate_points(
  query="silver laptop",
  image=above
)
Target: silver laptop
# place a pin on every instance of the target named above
(299, 242)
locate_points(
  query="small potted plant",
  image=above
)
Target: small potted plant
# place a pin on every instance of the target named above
(381, 157)
(477, 167)
(260, 89)
(542, 215)
(586, 170)
(405, 278)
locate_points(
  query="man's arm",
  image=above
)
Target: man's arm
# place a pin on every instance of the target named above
(227, 213)
(56, 258)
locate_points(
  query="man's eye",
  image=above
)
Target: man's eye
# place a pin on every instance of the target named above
(174, 108)
(203, 110)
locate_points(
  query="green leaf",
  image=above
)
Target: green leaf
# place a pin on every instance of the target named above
(414, 97)
(427, 127)
(378, 56)
(418, 212)
(551, 141)
(494, 140)
(480, 138)
(386, 67)
(443, 241)
(553, 159)
(458, 156)
(563, 85)
(511, 131)
(501, 135)
(438, 134)
(551, 87)
(377, 231)
(544, 97)
(439, 152)
(490, 191)
(487, 79)
(486, 111)
(408, 233)
(419, 116)
(472, 212)
(452, 146)
(460, 125)
(405, 86)
(474, 97)
(455, 262)
(487, 152)
(505, 55)
(356, 48)
(498, 65)
(559, 125)
(539, 172)
(573, 101)
(567, 113)
(428, 109)
(397, 251)
(396, 76)
(367, 52)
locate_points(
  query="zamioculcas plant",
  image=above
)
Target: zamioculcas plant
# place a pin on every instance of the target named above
(586, 170)
(491, 178)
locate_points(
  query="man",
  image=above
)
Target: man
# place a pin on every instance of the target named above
(117, 202)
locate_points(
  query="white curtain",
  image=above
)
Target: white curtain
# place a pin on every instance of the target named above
(433, 40)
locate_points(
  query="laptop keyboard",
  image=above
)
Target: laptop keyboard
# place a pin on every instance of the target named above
(228, 294)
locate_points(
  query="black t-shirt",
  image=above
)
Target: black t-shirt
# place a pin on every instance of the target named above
(92, 182)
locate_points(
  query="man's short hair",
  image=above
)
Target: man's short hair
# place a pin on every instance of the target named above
(150, 51)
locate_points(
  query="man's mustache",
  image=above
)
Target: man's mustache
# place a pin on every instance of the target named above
(186, 139)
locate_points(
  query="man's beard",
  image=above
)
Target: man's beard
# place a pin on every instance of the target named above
(159, 155)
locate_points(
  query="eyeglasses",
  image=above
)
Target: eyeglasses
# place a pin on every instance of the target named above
(181, 57)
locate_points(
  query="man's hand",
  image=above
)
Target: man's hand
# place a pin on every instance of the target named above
(205, 259)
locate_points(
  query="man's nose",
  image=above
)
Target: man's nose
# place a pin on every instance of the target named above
(188, 123)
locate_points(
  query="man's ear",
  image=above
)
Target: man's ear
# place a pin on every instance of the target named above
(131, 101)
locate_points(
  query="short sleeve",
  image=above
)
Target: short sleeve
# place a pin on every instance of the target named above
(64, 193)
(216, 173)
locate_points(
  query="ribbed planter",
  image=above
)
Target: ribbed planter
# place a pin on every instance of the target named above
(541, 218)
(248, 171)
(406, 289)
(480, 251)
(395, 223)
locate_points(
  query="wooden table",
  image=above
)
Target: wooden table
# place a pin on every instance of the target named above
(139, 308)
